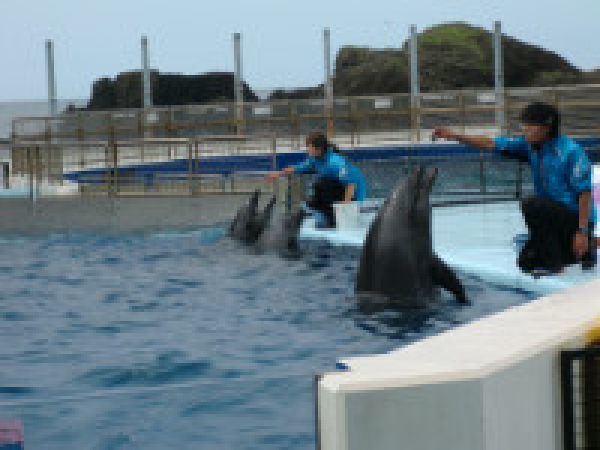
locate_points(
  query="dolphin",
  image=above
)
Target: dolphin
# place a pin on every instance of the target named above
(262, 220)
(281, 236)
(398, 267)
(249, 222)
(241, 228)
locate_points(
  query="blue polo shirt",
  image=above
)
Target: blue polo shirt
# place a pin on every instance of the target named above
(561, 169)
(335, 166)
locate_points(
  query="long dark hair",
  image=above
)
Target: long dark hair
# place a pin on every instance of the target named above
(319, 140)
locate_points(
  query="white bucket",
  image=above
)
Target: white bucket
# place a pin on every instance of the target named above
(347, 215)
(356, 214)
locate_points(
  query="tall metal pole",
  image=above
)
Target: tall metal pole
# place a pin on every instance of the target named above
(52, 105)
(327, 81)
(237, 81)
(414, 83)
(146, 88)
(499, 76)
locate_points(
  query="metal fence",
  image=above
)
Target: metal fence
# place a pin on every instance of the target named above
(352, 121)
(197, 149)
(151, 166)
(237, 165)
(184, 183)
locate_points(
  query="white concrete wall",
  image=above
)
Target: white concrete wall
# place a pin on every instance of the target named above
(523, 398)
(493, 384)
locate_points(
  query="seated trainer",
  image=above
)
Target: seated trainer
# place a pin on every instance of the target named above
(337, 179)
(561, 216)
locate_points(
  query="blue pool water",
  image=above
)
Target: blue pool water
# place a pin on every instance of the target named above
(186, 341)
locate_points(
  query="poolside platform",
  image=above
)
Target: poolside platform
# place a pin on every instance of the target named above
(512, 380)
(479, 240)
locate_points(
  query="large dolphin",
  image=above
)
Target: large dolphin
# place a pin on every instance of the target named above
(281, 236)
(398, 267)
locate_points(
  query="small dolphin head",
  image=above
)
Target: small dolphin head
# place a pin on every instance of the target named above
(411, 195)
(253, 202)
(283, 236)
(260, 221)
(422, 191)
(292, 223)
(243, 225)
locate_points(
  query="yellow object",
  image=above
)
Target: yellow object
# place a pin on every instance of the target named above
(592, 336)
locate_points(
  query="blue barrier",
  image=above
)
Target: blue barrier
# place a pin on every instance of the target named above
(228, 165)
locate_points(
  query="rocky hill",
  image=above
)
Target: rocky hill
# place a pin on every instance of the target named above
(451, 56)
(125, 90)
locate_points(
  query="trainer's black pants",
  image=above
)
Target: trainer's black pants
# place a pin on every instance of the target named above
(552, 227)
(326, 192)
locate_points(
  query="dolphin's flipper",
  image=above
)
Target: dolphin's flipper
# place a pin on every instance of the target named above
(443, 276)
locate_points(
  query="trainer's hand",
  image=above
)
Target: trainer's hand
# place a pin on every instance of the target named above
(272, 177)
(443, 133)
(580, 244)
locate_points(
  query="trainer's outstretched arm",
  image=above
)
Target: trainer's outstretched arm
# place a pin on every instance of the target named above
(272, 176)
(481, 142)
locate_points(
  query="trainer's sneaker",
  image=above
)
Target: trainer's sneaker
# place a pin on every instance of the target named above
(545, 271)
(589, 260)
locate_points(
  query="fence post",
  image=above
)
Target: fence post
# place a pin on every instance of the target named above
(191, 169)
(354, 120)
(238, 83)
(6, 175)
(52, 104)
(143, 150)
(29, 171)
(327, 86)
(482, 181)
(499, 76)
(462, 111)
(114, 188)
(556, 99)
(519, 188)
(288, 201)
(414, 82)
(37, 169)
(197, 184)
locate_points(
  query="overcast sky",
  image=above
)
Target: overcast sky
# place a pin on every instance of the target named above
(282, 39)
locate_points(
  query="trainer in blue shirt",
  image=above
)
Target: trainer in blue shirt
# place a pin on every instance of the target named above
(561, 217)
(337, 179)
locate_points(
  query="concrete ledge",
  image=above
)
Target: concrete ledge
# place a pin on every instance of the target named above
(490, 384)
(475, 240)
(114, 215)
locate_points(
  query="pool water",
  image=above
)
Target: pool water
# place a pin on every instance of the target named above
(187, 340)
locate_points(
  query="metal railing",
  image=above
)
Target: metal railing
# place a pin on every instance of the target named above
(235, 164)
(155, 166)
(353, 121)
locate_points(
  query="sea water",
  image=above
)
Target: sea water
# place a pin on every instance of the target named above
(187, 340)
